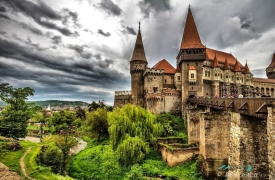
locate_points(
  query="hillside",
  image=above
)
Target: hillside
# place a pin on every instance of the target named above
(53, 103)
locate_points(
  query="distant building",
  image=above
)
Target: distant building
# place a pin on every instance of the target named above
(198, 71)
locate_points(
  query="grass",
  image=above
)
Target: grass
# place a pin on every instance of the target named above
(88, 164)
(12, 160)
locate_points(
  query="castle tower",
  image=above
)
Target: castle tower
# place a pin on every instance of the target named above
(192, 53)
(138, 65)
(270, 70)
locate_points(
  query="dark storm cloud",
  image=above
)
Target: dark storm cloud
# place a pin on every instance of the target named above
(3, 16)
(128, 30)
(67, 15)
(31, 28)
(146, 6)
(106, 34)
(245, 24)
(2, 9)
(43, 15)
(110, 7)
(57, 39)
(80, 50)
(61, 69)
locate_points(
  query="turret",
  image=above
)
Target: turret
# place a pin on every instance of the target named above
(270, 70)
(138, 65)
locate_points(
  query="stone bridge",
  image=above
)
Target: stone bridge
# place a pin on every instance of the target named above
(236, 137)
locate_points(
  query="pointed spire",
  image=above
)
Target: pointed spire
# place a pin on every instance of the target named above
(191, 37)
(237, 67)
(246, 69)
(226, 65)
(139, 53)
(272, 64)
(215, 63)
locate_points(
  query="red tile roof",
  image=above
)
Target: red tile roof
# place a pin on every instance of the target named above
(237, 67)
(272, 64)
(263, 80)
(215, 63)
(139, 52)
(192, 68)
(166, 66)
(190, 38)
(226, 65)
(221, 56)
(246, 69)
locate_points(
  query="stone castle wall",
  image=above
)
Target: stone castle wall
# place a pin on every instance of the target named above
(122, 98)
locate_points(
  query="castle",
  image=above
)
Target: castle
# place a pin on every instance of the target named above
(200, 71)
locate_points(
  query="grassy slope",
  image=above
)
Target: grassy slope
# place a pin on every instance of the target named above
(88, 164)
(12, 160)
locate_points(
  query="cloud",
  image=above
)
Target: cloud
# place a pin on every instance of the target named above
(43, 15)
(3, 16)
(67, 15)
(31, 28)
(146, 6)
(128, 30)
(100, 31)
(110, 7)
(234, 31)
(80, 50)
(51, 71)
(2, 9)
(57, 39)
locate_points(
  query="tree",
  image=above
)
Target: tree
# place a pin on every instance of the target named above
(96, 123)
(171, 124)
(94, 106)
(66, 141)
(131, 130)
(63, 120)
(80, 113)
(17, 113)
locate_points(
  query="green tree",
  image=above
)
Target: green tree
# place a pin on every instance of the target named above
(171, 124)
(16, 115)
(96, 124)
(63, 120)
(80, 113)
(131, 130)
(95, 105)
(66, 141)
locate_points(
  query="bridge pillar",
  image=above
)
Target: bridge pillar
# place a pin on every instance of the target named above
(193, 125)
(271, 140)
(216, 88)
(248, 148)
(214, 143)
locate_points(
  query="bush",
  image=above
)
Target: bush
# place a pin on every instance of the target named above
(135, 173)
(51, 156)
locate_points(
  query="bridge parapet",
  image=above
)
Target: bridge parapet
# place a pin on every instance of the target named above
(256, 107)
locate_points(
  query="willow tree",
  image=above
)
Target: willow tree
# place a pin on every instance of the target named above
(131, 131)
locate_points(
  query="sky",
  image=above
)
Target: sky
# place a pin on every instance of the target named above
(80, 50)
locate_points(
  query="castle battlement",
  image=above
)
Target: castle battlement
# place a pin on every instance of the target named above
(170, 92)
(153, 72)
(117, 93)
(154, 96)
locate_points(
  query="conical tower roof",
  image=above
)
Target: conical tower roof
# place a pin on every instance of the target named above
(226, 65)
(246, 69)
(272, 64)
(190, 38)
(237, 67)
(139, 53)
(215, 63)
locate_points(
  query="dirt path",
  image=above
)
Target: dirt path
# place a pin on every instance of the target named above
(22, 164)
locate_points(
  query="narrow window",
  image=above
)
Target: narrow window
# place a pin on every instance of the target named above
(178, 78)
(155, 89)
(192, 76)
(165, 81)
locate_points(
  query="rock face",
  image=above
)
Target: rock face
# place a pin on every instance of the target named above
(6, 174)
